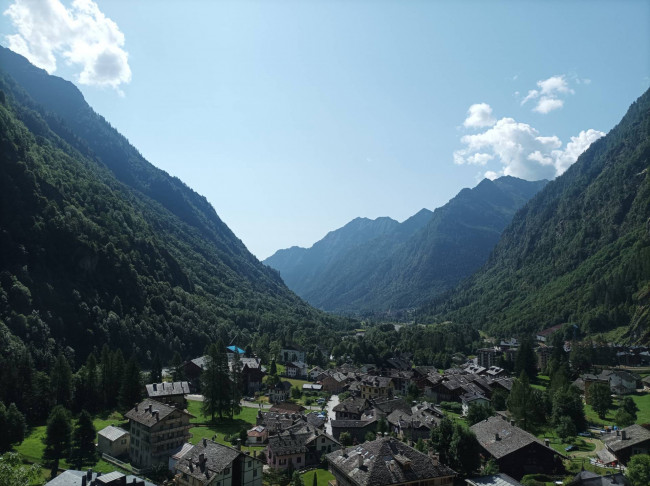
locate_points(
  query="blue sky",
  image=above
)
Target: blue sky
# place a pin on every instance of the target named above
(293, 118)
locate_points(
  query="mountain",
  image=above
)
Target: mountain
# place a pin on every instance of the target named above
(578, 252)
(101, 247)
(410, 262)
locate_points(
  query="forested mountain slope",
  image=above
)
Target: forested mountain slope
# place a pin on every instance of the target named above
(420, 258)
(578, 252)
(99, 246)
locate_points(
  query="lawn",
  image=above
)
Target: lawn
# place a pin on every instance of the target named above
(323, 476)
(247, 414)
(642, 401)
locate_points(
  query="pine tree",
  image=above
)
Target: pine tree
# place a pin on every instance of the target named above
(525, 361)
(61, 381)
(236, 384)
(16, 425)
(83, 443)
(176, 365)
(131, 389)
(155, 375)
(215, 382)
(58, 436)
(600, 399)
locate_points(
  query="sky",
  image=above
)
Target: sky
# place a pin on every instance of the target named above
(293, 118)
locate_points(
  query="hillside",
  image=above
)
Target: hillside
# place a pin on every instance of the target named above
(578, 252)
(418, 259)
(99, 246)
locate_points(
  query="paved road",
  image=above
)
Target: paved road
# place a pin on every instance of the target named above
(333, 402)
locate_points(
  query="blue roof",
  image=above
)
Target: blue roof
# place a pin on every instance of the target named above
(236, 349)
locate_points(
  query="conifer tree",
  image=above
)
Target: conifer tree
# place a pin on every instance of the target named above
(155, 375)
(83, 443)
(16, 425)
(131, 389)
(215, 382)
(61, 381)
(236, 384)
(58, 436)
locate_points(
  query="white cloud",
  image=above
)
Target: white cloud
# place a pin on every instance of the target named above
(522, 151)
(545, 105)
(81, 34)
(490, 174)
(479, 115)
(548, 94)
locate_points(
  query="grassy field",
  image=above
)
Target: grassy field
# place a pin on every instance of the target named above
(642, 401)
(32, 448)
(323, 476)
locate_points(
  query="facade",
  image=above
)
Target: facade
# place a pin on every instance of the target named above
(113, 441)
(291, 354)
(296, 369)
(376, 387)
(257, 436)
(488, 356)
(387, 461)
(169, 393)
(351, 409)
(298, 447)
(358, 429)
(516, 451)
(213, 464)
(280, 392)
(156, 431)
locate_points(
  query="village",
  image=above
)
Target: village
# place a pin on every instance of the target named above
(367, 425)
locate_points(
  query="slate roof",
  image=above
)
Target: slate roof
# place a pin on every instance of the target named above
(500, 438)
(588, 478)
(287, 407)
(389, 405)
(634, 434)
(74, 478)
(144, 412)
(386, 461)
(296, 439)
(352, 405)
(112, 433)
(217, 457)
(500, 479)
(376, 381)
(167, 389)
(416, 420)
(352, 424)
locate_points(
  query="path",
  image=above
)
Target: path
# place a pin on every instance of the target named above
(333, 402)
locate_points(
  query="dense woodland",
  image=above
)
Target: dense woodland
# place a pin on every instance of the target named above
(99, 247)
(578, 252)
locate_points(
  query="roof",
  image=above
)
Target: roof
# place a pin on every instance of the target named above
(74, 478)
(389, 405)
(235, 349)
(312, 386)
(352, 424)
(634, 434)
(500, 438)
(181, 451)
(257, 431)
(206, 459)
(287, 407)
(352, 405)
(588, 478)
(386, 461)
(166, 389)
(500, 479)
(112, 433)
(149, 412)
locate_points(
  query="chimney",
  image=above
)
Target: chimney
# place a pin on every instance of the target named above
(136, 407)
(201, 458)
(547, 442)
(83, 481)
(512, 422)
(360, 460)
(157, 414)
(205, 442)
(155, 386)
(89, 474)
(191, 465)
(623, 435)
(496, 436)
(618, 432)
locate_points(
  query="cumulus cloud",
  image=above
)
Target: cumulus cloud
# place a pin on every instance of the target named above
(522, 151)
(479, 116)
(82, 35)
(548, 96)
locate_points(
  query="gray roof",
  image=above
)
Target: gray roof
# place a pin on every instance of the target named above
(296, 439)
(145, 412)
(352, 405)
(588, 478)
(217, 457)
(73, 478)
(386, 461)
(500, 438)
(500, 479)
(352, 424)
(634, 434)
(112, 433)
(167, 389)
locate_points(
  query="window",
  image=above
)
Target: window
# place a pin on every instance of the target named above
(226, 471)
(254, 472)
(299, 460)
(250, 463)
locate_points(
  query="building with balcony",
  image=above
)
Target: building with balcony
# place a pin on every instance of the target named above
(157, 430)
